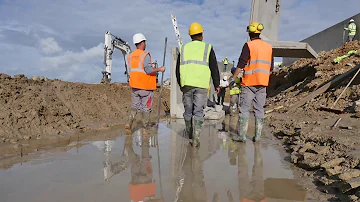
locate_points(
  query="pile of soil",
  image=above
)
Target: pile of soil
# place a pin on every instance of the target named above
(326, 152)
(42, 108)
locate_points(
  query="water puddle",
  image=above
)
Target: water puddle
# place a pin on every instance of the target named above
(144, 167)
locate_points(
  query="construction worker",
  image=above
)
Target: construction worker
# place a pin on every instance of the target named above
(250, 190)
(234, 92)
(225, 62)
(142, 81)
(256, 60)
(196, 64)
(352, 30)
(223, 85)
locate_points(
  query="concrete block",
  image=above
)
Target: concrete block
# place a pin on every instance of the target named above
(212, 114)
(268, 13)
(292, 49)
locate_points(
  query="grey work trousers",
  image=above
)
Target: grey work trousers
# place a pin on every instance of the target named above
(350, 38)
(249, 95)
(194, 100)
(234, 99)
(142, 99)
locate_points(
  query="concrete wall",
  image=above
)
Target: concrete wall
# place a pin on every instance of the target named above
(330, 38)
(267, 13)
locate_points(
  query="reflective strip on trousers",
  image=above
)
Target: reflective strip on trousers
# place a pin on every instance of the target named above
(139, 67)
(203, 62)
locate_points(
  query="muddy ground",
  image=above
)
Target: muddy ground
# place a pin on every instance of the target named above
(44, 111)
(327, 153)
(48, 109)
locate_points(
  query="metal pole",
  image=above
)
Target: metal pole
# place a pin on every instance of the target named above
(162, 81)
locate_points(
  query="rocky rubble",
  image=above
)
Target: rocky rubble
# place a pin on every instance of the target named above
(325, 152)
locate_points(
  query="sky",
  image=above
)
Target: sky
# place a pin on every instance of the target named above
(64, 39)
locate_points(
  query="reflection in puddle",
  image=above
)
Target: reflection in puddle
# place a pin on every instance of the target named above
(143, 167)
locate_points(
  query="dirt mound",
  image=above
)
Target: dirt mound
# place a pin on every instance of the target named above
(325, 151)
(292, 83)
(38, 108)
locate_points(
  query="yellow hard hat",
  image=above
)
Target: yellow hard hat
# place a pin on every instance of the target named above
(195, 28)
(255, 27)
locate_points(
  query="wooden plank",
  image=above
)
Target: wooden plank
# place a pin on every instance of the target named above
(323, 88)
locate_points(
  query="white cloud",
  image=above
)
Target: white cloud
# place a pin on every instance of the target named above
(77, 24)
(49, 46)
(83, 65)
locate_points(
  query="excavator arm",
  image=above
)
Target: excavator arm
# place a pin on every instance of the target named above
(113, 42)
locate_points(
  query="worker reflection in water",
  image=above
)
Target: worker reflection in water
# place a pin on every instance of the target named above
(257, 61)
(250, 190)
(194, 186)
(142, 186)
(196, 64)
(352, 30)
(142, 81)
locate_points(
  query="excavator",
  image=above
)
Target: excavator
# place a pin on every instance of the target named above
(113, 42)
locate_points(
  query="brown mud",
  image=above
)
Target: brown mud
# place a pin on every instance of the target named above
(328, 155)
(46, 110)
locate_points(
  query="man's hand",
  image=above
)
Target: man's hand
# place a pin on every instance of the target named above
(217, 90)
(162, 69)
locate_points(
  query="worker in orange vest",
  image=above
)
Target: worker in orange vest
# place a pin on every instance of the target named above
(257, 61)
(250, 190)
(142, 81)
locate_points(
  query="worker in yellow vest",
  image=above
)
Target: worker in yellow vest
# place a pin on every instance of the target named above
(257, 61)
(196, 64)
(352, 30)
(234, 93)
(225, 62)
(142, 81)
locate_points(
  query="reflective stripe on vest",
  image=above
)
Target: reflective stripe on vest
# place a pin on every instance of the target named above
(194, 64)
(138, 77)
(139, 67)
(236, 89)
(257, 71)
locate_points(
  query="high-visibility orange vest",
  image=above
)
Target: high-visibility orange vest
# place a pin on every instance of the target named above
(140, 191)
(138, 77)
(257, 70)
(248, 200)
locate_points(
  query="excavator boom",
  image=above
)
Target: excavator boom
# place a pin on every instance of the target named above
(112, 42)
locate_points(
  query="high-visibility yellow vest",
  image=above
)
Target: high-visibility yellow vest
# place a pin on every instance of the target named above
(235, 89)
(194, 64)
(352, 29)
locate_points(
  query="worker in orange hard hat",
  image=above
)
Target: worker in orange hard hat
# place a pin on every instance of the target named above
(196, 65)
(257, 62)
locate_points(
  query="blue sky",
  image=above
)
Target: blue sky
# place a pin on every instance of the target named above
(64, 38)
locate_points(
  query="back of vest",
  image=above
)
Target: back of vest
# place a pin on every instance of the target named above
(194, 64)
(257, 71)
(138, 77)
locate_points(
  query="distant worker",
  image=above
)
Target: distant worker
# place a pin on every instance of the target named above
(195, 66)
(352, 30)
(234, 92)
(225, 62)
(142, 81)
(257, 61)
(223, 85)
